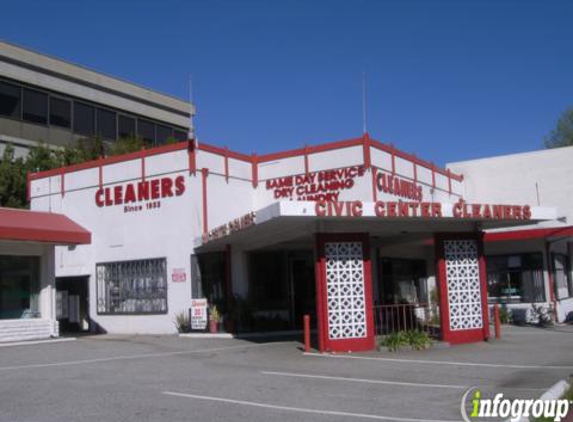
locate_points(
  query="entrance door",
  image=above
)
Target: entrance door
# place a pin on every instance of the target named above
(72, 307)
(302, 288)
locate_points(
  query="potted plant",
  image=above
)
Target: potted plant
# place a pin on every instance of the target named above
(214, 319)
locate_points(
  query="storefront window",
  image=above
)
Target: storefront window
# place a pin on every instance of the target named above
(19, 286)
(212, 269)
(515, 278)
(132, 287)
(403, 281)
(562, 276)
(268, 281)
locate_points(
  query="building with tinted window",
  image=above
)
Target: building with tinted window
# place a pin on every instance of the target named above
(363, 237)
(46, 99)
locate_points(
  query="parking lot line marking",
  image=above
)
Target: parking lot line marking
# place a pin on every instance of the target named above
(365, 380)
(131, 357)
(440, 362)
(407, 384)
(299, 409)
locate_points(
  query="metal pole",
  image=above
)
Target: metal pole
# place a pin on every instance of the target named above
(497, 321)
(306, 320)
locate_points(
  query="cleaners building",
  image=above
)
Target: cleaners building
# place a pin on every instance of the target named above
(361, 236)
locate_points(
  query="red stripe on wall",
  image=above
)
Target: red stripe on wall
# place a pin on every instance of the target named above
(63, 183)
(28, 187)
(366, 150)
(143, 166)
(192, 156)
(204, 174)
(100, 176)
(374, 187)
(255, 170)
(449, 175)
(306, 165)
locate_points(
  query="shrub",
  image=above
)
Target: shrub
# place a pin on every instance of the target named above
(417, 340)
(542, 315)
(182, 322)
(394, 341)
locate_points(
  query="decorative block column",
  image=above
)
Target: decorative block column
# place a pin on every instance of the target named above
(462, 281)
(344, 292)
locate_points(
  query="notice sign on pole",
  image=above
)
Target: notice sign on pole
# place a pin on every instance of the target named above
(198, 314)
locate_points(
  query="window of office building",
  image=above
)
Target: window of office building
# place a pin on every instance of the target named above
(163, 133)
(60, 112)
(562, 276)
(515, 278)
(132, 287)
(35, 106)
(180, 135)
(125, 127)
(10, 100)
(106, 124)
(84, 119)
(146, 130)
(19, 286)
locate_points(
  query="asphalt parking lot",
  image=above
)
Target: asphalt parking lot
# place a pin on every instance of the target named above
(166, 378)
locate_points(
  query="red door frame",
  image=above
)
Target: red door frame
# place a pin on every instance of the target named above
(352, 344)
(461, 336)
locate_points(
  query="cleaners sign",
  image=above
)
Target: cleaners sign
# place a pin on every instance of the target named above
(402, 209)
(146, 194)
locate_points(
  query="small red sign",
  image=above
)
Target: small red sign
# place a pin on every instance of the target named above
(178, 275)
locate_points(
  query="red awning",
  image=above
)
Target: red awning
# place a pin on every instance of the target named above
(34, 226)
(542, 233)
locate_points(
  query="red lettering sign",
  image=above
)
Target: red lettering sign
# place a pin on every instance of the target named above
(132, 193)
(398, 187)
(401, 209)
(316, 186)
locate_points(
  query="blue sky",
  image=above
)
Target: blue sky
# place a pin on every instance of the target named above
(448, 80)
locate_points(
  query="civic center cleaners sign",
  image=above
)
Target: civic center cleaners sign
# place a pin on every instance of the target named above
(402, 209)
(136, 196)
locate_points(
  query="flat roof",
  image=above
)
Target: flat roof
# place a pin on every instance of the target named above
(44, 227)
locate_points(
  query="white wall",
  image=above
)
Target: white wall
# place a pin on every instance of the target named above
(517, 179)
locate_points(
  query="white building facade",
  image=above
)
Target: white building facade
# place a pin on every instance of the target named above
(351, 232)
(532, 263)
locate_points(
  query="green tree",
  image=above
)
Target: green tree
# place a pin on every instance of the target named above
(127, 145)
(562, 135)
(12, 179)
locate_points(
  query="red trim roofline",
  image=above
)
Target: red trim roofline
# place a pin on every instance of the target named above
(224, 152)
(528, 234)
